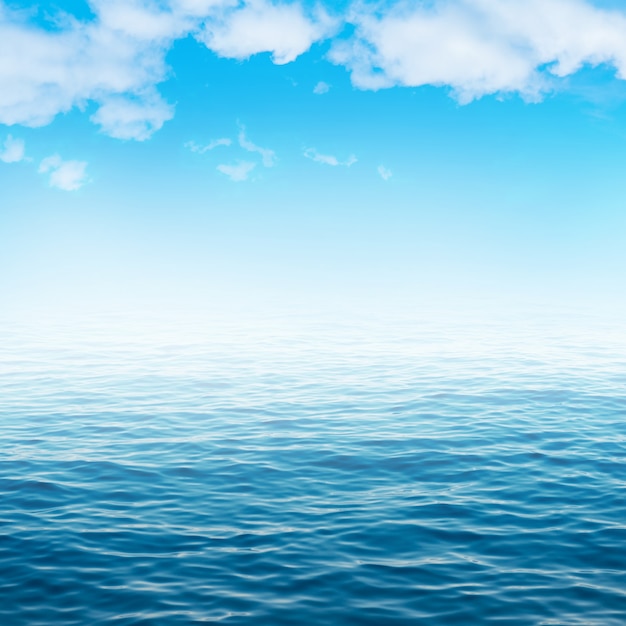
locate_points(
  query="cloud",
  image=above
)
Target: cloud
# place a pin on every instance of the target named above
(241, 169)
(114, 61)
(479, 47)
(194, 147)
(321, 88)
(14, 150)
(284, 30)
(237, 172)
(198, 8)
(327, 159)
(66, 175)
(132, 118)
(267, 156)
(384, 172)
(117, 58)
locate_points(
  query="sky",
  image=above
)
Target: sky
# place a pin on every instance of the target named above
(256, 156)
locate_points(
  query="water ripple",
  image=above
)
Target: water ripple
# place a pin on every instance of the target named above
(312, 480)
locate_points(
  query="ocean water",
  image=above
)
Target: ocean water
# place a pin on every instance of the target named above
(338, 475)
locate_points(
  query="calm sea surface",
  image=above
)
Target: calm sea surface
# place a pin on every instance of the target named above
(329, 476)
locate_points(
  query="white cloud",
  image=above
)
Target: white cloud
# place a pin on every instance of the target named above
(66, 175)
(241, 169)
(480, 47)
(237, 172)
(132, 118)
(321, 88)
(117, 58)
(267, 156)
(198, 8)
(138, 19)
(194, 147)
(284, 30)
(108, 60)
(327, 159)
(14, 150)
(384, 172)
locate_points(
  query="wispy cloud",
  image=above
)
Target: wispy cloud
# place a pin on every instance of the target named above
(242, 168)
(194, 147)
(321, 88)
(328, 159)
(384, 172)
(66, 175)
(267, 156)
(237, 172)
(13, 151)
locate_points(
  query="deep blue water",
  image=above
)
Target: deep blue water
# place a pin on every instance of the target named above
(331, 478)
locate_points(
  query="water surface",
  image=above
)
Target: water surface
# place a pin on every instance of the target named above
(327, 476)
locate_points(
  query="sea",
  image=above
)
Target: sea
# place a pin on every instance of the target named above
(331, 474)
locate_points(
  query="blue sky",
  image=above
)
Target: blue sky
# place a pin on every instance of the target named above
(202, 154)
